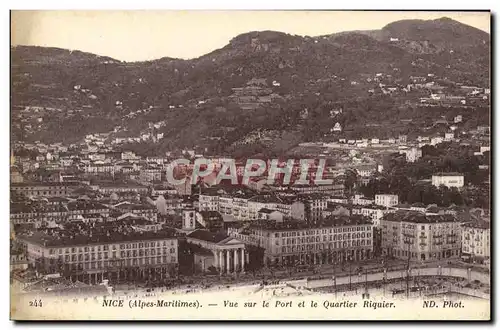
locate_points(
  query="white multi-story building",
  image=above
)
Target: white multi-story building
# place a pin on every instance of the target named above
(334, 240)
(248, 207)
(208, 202)
(92, 256)
(128, 155)
(449, 180)
(386, 200)
(150, 174)
(314, 207)
(476, 241)
(362, 200)
(418, 236)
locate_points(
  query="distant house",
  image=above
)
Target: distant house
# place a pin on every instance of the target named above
(483, 149)
(386, 200)
(449, 136)
(337, 127)
(413, 154)
(436, 140)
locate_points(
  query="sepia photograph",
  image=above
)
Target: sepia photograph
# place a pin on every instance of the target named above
(250, 165)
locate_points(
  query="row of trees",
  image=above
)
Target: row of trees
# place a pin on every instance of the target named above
(409, 192)
(403, 178)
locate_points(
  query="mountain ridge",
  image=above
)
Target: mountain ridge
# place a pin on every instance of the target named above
(96, 93)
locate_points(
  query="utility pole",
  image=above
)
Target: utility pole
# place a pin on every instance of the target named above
(385, 279)
(366, 281)
(350, 266)
(334, 263)
(408, 270)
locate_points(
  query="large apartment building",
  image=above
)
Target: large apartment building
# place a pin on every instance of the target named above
(336, 239)
(333, 189)
(39, 213)
(476, 241)
(420, 237)
(247, 208)
(48, 189)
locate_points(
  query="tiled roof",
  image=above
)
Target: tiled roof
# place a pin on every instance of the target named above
(418, 217)
(208, 236)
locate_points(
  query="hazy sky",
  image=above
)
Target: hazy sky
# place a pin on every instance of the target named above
(144, 35)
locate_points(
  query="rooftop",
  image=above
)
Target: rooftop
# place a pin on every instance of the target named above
(332, 221)
(480, 224)
(418, 217)
(80, 235)
(196, 249)
(210, 214)
(208, 236)
(44, 184)
(448, 174)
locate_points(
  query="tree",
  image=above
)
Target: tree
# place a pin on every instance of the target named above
(351, 177)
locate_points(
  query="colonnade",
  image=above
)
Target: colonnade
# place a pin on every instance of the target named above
(231, 260)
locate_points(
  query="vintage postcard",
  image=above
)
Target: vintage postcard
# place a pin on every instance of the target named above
(250, 165)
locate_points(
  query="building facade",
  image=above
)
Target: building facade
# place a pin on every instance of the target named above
(227, 254)
(476, 242)
(119, 257)
(338, 239)
(416, 236)
(44, 189)
(386, 200)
